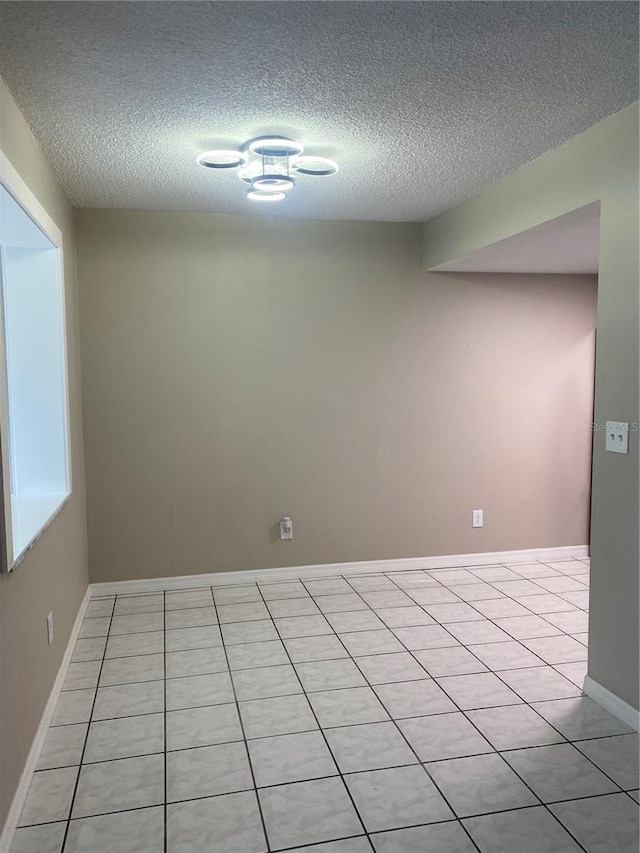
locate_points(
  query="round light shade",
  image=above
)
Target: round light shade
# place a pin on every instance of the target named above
(274, 146)
(314, 165)
(222, 158)
(272, 183)
(256, 195)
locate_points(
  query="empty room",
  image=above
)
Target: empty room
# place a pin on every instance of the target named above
(319, 406)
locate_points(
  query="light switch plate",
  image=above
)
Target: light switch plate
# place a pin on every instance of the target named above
(617, 437)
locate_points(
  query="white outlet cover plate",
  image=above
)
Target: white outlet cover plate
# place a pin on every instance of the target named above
(617, 437)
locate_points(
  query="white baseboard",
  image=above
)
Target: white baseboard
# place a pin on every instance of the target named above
(614, 704)
(328, 569)
(13, 816)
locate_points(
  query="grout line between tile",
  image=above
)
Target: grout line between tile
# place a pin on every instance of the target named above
(84, 745)
(244, 737)
(328, 745)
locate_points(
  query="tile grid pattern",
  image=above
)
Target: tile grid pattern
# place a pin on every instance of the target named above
(480, 733)
(86, 738)
(322, 731)
(244, 736)
(388, 593)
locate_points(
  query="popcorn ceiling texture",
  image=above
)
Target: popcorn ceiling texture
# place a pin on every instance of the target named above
(421, 103)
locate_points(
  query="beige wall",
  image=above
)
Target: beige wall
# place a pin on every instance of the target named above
(601, 163)
(53, 574)
(236, 370)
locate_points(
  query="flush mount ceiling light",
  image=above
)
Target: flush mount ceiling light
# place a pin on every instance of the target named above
(268, 165)
(257, 195)
(221, 159)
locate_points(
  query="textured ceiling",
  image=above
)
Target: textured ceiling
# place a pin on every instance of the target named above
(421, 103)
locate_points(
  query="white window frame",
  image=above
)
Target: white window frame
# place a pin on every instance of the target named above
(20, 192)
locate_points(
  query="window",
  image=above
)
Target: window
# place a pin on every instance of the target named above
(33, 382)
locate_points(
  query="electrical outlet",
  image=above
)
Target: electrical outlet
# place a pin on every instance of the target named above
(477, 519)
(50, 628)
(286, 528)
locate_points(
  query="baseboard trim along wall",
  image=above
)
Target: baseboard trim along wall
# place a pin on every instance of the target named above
(616, 706)
(13, 816)
(328, 569)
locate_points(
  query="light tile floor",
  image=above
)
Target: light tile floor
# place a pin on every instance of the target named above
(409, 712)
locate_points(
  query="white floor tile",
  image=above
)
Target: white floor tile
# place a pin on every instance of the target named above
(290, 758)
(480, 784)
(179, 639)
(602, 824)
(387, 668)
(207, 770)
(479, 690)
(558, 772)
(246, 612)
(206, 726)
(125, 738)
(401, 796)
(282, 715)
(455, 660)
(49, 797)
(193, 617)
(196, 662)
(115, 786)
(308, 813)
(131, 669)
(283, 590)
(361, 643)
(62, 747)
(414, 698)
(329, 675)
(342, 602)
(531, 830)
(540, 683)
(137, 623)
(129, 700)
(371, 746)
(347, 707)
(143, 643)
(139, 831)
(514, 727)
(73, 706)
(425, 637)
(443, 736)
(580, 717)
(616, 756)
(265, 682)
(434, 838)
(46, 838)
(196, 690)
(236, 594)
(251, 655)
(327, 647)
(229, 823)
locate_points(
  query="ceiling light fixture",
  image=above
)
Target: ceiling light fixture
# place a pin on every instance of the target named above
(266, 163)
(257, 195)
(222, 159)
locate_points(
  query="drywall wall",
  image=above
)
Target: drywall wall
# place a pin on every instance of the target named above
(600, 164)
(53, 574)
(236, 370)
